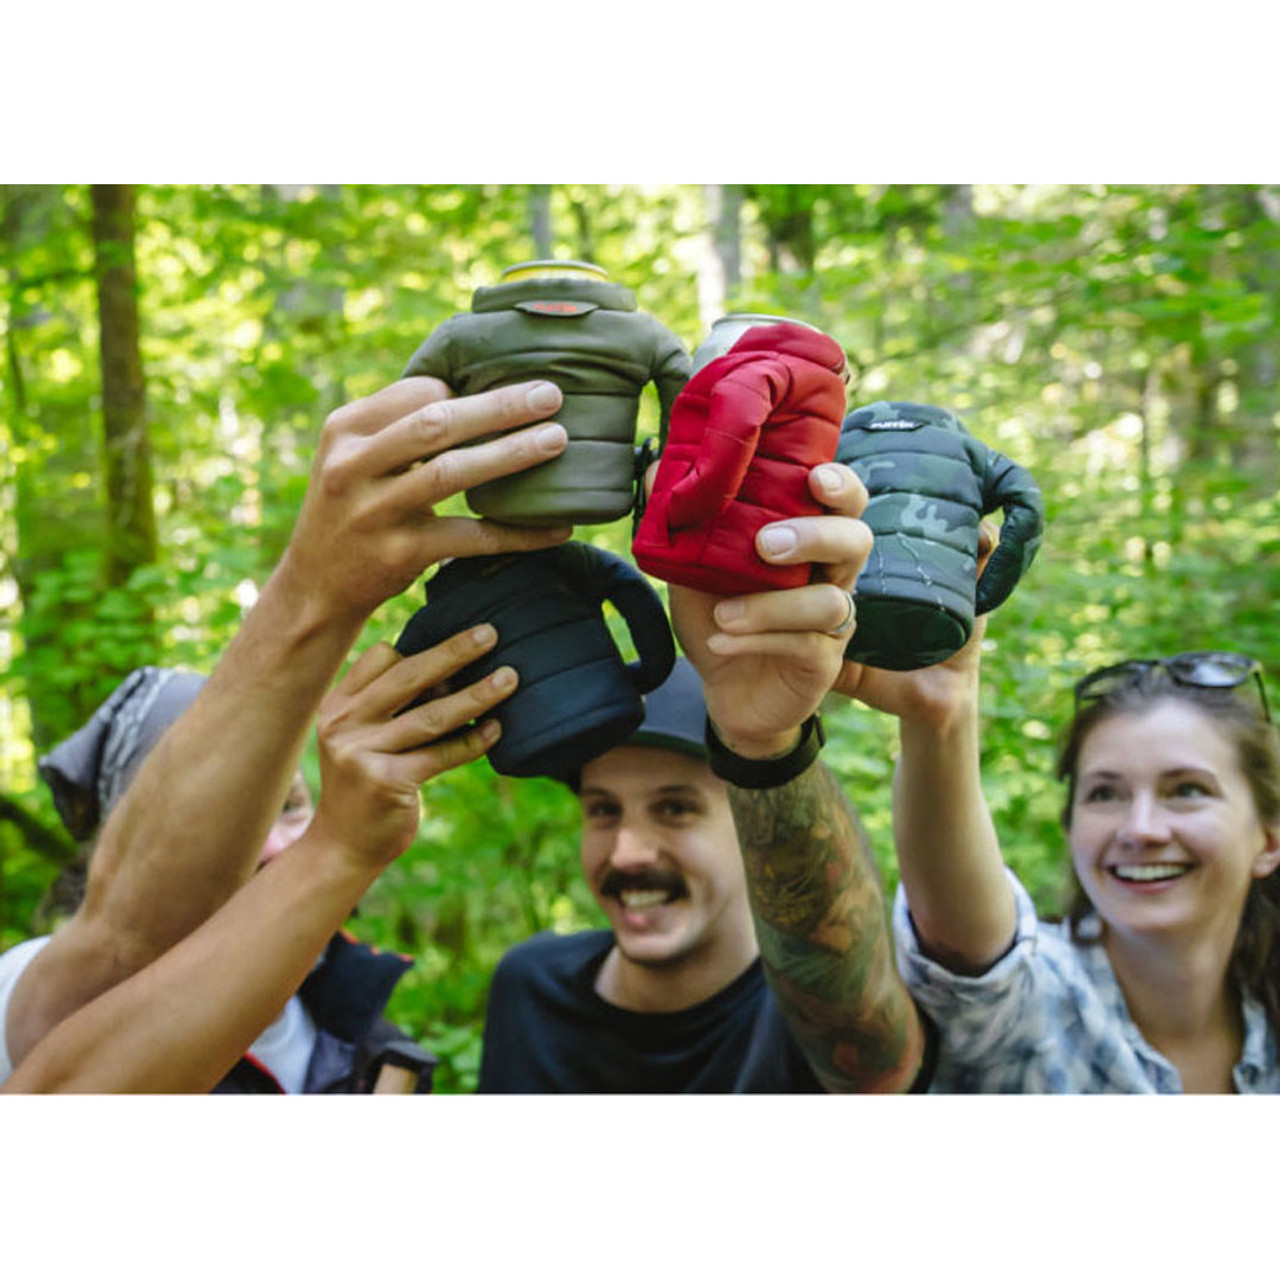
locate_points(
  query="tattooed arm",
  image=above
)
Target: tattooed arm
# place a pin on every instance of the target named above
(821, 923)
(766, 662)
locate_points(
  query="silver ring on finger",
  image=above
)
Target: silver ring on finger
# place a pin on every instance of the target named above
(839, 633)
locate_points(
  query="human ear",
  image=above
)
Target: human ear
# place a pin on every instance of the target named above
(1268, 858)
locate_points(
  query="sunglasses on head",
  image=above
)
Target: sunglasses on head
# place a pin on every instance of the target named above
(1208, 670)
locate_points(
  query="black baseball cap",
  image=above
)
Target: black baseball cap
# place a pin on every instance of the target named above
(675, 718)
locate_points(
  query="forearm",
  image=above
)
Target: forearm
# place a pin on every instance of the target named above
(948, 852)
(190, 829)
(179, 1025)
(820, 920)
(203, 802)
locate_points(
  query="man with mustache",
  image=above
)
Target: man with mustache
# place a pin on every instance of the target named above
(748, 949)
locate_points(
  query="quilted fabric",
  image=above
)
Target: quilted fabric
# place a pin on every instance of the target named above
(587, 337)
(576, 697)
(929, 482)
(745, 432)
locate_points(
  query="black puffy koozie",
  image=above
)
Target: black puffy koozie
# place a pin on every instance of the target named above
(577, 697)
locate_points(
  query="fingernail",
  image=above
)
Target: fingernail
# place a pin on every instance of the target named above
(490, 731)
(830, 480)
(484, 634)
(543, 398)
(551, 437)
(503, 678)
(729, 611)
(777, 542)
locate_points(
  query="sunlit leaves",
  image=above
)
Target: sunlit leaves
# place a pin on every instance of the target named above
(1120, 341)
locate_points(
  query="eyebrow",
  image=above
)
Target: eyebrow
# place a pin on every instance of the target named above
(671, 789)
(1109, 775)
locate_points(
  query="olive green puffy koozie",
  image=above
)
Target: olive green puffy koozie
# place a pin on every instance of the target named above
(572, 327)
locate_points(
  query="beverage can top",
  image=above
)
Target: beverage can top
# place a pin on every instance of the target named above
(553, 268)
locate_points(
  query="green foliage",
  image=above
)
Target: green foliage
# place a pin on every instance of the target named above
(1118, 340)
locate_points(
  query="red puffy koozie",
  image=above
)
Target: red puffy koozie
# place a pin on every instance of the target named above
(745, 432)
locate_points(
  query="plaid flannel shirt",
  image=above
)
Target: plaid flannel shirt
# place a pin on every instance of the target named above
(1049, 1017)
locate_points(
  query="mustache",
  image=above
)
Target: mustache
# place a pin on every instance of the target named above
(617, 882)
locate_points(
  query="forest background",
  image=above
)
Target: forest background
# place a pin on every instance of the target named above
(170, 353)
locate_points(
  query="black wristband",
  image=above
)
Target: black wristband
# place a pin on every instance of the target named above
(758, 775)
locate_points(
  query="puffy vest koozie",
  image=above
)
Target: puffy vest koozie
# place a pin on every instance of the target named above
(753, 421)
(929, 483)
(577, 697)
(567, 323)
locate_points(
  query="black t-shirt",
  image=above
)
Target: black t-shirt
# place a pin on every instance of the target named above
(547, 1031)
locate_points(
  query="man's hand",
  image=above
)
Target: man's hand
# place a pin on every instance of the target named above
(179, 1023)
(367, 527)
(373, 759)
(768, 659)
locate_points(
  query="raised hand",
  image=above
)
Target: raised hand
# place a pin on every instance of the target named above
(767, 659)
(374, 759)
(368, 526)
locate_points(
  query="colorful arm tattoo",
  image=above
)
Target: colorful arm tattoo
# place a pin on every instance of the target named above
(824, 937)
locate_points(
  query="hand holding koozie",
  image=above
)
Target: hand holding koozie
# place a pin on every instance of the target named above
(565, 322)
(576, 697)
(929, 483)
(745, 433)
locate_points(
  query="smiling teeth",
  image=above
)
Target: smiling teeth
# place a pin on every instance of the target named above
(639, 899)
(1156, 872)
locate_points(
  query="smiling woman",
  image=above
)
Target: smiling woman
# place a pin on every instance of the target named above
(1165, 977)
(1173, 814)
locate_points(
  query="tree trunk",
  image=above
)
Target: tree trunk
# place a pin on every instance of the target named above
(131, 524)
(1148, 392)
(786, 212)
(957, 224)
(1255, 452)
(306, 321)
(540, 220)
(54, 441)
(720, 266)
(1202, 424)
(586, 241)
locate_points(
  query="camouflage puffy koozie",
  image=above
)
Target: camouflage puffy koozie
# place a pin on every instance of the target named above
(567, 323)
(930, 482)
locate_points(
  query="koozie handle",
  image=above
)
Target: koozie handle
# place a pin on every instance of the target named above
(611, 578)
(1006, 484)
